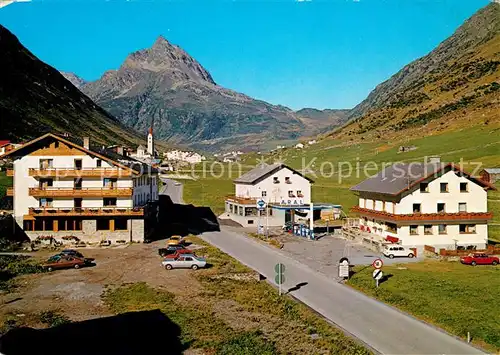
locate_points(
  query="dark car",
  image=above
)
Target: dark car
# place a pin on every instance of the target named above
(61, 261)
(171, 249)
(71, 252)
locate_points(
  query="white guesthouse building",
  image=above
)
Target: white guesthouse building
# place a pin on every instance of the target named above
(421, 204)
(277, 185)
(65, 187)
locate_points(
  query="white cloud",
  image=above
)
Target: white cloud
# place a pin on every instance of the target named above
(4, 3)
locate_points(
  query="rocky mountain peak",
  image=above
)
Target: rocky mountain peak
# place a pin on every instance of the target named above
(170, 60)
(74, 79)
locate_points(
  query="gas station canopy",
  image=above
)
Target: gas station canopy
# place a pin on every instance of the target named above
(318, 206)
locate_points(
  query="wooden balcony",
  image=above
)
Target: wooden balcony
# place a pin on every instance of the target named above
(10, 191)
(81, 192)
(91, 172)
(241, 200)
(10, 172)
(424, 217)
(84, 212)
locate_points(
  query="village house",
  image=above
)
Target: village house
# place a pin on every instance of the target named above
(65, 187)
(420, 204)
(184, 156)
(278, 185)
(6, 146)
(490, 175)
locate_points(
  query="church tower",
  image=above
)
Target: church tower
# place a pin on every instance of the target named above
(151, 142)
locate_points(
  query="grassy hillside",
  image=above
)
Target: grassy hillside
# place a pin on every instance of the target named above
(455, 86)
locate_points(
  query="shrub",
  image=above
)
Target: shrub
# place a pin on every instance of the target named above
(53, 318)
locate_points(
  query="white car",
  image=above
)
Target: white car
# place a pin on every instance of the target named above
(392, 251)
(185, 261)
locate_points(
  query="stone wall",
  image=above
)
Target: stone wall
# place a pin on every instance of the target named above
(88, 234)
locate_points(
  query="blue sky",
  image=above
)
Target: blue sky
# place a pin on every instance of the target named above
(323, 54)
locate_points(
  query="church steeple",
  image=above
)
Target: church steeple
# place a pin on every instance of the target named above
(151, 142)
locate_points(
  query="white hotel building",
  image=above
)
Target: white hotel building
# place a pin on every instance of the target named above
(421, 204)
(64, 187)
(278, 185)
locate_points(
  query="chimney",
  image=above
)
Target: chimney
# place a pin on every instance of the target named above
(119, 150)
(434, 159)
(86, 142)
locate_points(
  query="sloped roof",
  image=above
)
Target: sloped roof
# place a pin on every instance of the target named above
(262, 171)
(401, 177)
(492, 170)
(100, 152)
(4, 142)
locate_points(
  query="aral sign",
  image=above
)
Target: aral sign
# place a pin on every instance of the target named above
(293, 202)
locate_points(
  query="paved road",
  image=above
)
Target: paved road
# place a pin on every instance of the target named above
(383, 328)
(173, 189)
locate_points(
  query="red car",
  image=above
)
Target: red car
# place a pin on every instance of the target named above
(178, 253)
(62, 261)
(479, 259)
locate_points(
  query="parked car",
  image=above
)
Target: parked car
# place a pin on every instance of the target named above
(71, 252)
(185, 261)
(178, 253)
(61, 261)
(171, 249)
(392, 251)
(175, 240)
(479, 259)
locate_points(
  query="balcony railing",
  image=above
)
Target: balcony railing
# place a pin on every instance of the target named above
(10, 172)
(81, 192)
(88, 211)
(10, 191)
(73, 172)
(460, 216)
(242, 200)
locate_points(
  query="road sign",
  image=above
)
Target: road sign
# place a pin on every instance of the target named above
(377, 274)
(261, 204)
(377, 263)
(280, 275)
(344, 268)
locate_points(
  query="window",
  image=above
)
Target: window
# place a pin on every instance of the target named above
(441, 208)
(424, 187)
(98, 163)
(464, 187)
(77, 184)
(77, 203)
(383, 206)
(428, 229)
(111, 201)
(299, 193)
(290, 194)
(46, 183)
(250, 221)
(46, 163)
(467, 228)
(462, 207)
(264, 193)
(276, 180)
(46, 202)
(102, 225)
(121, 224)
(391, 227)
(417, 208)
(109, 183)
(287, 180)
(442, 229)
(413, 230)
(78, 164)
(444, 187)
(69, 224)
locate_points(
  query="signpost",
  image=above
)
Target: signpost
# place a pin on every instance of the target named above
(280, 275)
(377, 263)
(344, 268)
(377, 275)
(261, 205)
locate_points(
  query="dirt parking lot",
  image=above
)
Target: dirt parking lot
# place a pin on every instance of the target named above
(78, 292)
